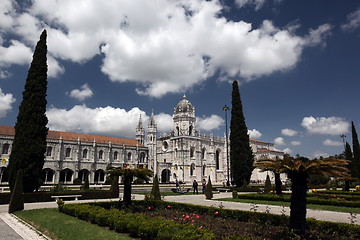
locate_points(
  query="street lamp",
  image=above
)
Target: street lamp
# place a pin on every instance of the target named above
(226, 108)
(343, 137)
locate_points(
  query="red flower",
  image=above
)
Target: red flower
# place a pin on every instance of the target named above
(187, 216)
(197, 216)
(216, 213)
(168, 206)
(192, 221)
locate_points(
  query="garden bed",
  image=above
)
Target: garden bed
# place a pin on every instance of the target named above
(193, 220)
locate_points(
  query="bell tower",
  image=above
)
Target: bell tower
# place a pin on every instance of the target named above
(140, 132)
(151, 141)
(184, 118)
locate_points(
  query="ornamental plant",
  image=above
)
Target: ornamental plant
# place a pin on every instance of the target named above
(208, 190)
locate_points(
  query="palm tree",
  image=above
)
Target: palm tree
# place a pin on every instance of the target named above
(128, 175)
(298, 171)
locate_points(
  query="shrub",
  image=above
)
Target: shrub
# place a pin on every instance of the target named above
(58, 188)
(208, 190)
(77, 181)
(267, 187)
(235, 194)
(86, 183)
(155, 191)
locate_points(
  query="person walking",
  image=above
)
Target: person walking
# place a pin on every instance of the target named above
(177, 185)
(195, 187)
(203, 183)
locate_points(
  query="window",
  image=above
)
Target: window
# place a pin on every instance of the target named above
(48, 151)
(67, 152)
(190, 130)
(142, 157)
(192, 151)
(203, 153)
(85, 153)
(192, 168)
(203, 170)
(116, 155)
(101, 154)
(5, 149)
(217, 160)
(129, 156)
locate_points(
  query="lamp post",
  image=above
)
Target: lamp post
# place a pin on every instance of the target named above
(343, 137)
(226, 108)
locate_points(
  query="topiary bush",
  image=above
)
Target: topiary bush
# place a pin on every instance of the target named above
(208, 190)
(114, 189)
(155, 191)
(267, 187)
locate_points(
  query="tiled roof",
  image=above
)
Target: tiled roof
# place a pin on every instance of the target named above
(267, 150)
(10, 131)
(253, 140)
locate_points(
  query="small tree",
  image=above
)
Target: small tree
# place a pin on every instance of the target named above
(155, 191)
(267, 188)
(278, 183)
(114, 189)
(17, 197)
(208, 190)
(128, 175)
(86, 183)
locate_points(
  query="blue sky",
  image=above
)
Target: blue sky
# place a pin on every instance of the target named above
(297, 63)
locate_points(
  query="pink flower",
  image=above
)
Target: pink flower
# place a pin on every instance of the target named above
(201, 227)
(183, 215)
(194, 214)
(168, 206)
(192, 221)
(187, 216)
(216, 213)
(197, 216)
(149, 208)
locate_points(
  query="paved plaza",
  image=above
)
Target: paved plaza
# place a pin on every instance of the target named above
(12, 228)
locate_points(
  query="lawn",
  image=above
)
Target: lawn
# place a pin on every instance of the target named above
(60, 226)
(287, 204)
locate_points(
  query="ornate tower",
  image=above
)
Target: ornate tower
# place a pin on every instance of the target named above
(140, 132)
(184, 118)
(151, 141)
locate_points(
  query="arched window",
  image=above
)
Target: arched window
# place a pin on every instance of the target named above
(101, 154)
(178, 131)
(129, 156)
(4, 174)
(203, 170)
(85, 153)
(175, 153)
(47, 175)
(68, 152)
(203, 153)
(49, 151)
(5, 149)
(190, 130)
(116, 155)
(176, 167)
(142, 157)
(217, 159)
(99, 176)
(66, 175)
(192, 168)
(192, 152)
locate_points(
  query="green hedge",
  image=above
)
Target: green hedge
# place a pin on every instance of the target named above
(46, 196)
(244, 216)
(355, 193)
(138, 225)
(310, 200)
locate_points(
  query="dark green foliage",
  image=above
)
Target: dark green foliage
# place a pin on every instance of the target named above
(29, 144)
(278, 184)
(86, 183)
(208, 190)
(241, 155)
(235, 194)
(267, 187)
(155, 191)
(77, 181)
(17, 198)
(355, 163)
(114, 189)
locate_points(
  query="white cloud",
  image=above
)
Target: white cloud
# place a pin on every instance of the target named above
(295, 143)
(15, 53)
(323, 125)
(287, 150)
(258, 3)
(101, 120)
(279, 141)
(82, 94)
(319, 154)
(5, 103)
(288, 132)
(209, 123)
(353, 21)
(178, 44)
(164, 122)
(254, 134)
(329, 142)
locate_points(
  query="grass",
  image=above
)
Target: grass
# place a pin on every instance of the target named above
(287, 204)
(60, 226)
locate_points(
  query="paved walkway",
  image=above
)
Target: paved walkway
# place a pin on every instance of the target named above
(12, 228)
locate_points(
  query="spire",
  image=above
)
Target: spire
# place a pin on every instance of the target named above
(152, 122)
(140, 124)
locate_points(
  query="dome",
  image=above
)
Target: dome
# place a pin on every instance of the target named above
(184, 106)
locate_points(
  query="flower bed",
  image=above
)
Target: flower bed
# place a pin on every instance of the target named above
(161, 220)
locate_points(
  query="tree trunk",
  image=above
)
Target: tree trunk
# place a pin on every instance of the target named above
(278, 184)
(347, 185)
(298, 201)
(127, 189)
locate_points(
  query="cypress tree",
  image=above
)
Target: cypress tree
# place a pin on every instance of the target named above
(241, 155)
(208, 190)
(155, 191)
(267, 187)
(355, 163)
(17, 197)
(29, 144)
